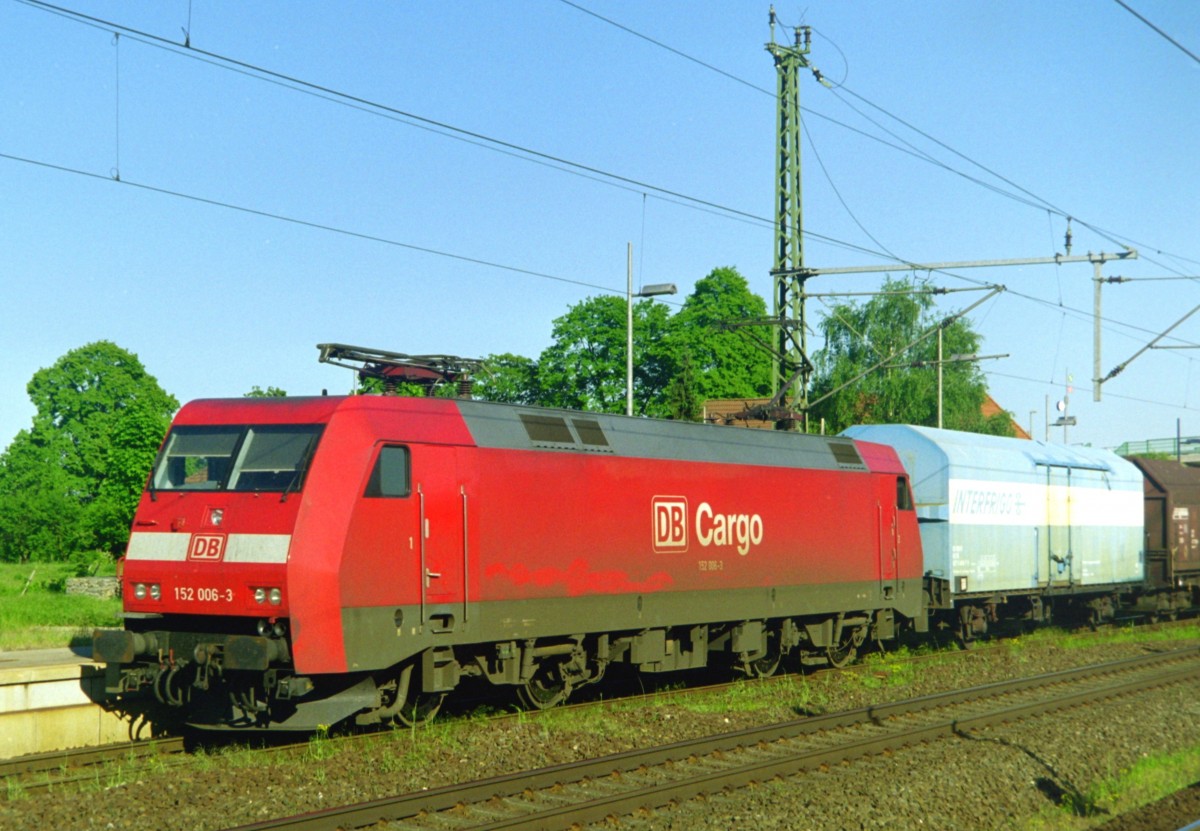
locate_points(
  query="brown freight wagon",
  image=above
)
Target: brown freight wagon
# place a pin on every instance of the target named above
(1172, 529)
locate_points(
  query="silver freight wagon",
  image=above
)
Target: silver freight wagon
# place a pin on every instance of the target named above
(1002, 516)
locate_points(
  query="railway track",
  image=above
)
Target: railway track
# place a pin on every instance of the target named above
(44, 771)
(594, 790)
(35, 773)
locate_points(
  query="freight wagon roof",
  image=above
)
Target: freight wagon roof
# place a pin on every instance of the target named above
(1166, 476)
(933, 456)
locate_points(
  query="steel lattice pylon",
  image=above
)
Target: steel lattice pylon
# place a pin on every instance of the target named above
(791, 365)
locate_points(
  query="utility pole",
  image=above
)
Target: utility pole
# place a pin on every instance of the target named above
(792, 368)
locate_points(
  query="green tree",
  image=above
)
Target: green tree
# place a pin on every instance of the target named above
(584, 368)
(99, 420)
(679, 361)
(40, 513)
(134, 443)
(711, 358)
(270, 392)
(904, 389)
(512, 379)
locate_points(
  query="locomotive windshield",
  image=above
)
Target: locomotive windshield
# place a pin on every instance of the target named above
(236, 458)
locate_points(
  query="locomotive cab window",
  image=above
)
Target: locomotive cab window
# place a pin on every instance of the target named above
(903, 494)
(390, 475)
(235, 457)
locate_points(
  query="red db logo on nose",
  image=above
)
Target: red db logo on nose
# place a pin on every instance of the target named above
(209, 547)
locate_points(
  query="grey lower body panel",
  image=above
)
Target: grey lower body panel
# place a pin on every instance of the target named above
(373, 640)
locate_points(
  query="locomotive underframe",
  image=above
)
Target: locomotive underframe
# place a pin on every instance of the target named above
(234, 679)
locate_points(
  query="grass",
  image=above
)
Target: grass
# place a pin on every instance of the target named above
(37, 613)
(1114, 634)
(1154, 777)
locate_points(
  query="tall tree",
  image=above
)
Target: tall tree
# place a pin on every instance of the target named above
(584, 368)
(40, 513)
(904, 389)
(713, 359)
(512, 379)
(99, 420)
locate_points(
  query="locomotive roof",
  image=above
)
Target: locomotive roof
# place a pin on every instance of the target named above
(523, 427)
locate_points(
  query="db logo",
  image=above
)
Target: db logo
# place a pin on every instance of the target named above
(207, 547)
(669, 514)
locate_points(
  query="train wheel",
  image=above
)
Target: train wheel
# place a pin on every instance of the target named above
(768, 664)
(547, 688)
(419, 707)
(846, 649)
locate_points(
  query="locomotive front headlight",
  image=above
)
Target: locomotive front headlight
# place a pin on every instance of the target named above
(139, 591)
(280, 628)
(275, 596)
(264, 627)
(260, 595)
(155, 591)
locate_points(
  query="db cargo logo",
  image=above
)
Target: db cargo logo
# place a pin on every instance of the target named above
(669, 514)
(712, 528)
(210, 547)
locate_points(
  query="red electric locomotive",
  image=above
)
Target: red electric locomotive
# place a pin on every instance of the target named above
(300, 561)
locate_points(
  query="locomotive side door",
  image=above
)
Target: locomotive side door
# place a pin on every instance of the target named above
(442, 539)
(893, 496)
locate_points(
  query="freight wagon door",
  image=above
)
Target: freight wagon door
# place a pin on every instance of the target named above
(441, 566)
(1058, 526)
(1183, 540)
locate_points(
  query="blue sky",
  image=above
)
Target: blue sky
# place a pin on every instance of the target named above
(445, 245)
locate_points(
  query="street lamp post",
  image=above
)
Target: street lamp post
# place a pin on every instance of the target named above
(653, 290)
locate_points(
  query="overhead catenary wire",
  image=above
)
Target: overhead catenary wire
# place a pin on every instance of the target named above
(491, 142)
(1022, 195)
(1159, 31)
(307, 223)
(502, 145)
(529, 154)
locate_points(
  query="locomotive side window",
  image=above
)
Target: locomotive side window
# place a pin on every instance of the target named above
(903, 494)
(390, 475)
(235, 457)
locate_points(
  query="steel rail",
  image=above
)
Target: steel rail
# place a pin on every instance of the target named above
(37, 772)
(62, 767)
(753, 744)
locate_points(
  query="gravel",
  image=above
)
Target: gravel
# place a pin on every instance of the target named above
(1040, 773)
